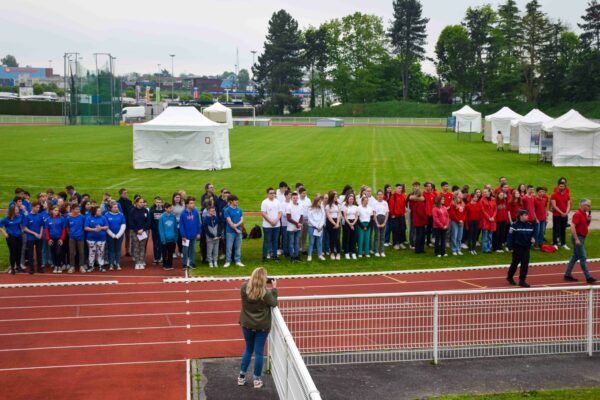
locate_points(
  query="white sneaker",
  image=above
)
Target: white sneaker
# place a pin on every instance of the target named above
(382, 255)
(226, 265)
(397, 247)
(454, 253)
(402, 246)
(174, 256)
(445, 254)
(347, 256)
(354, 256)
(376, 254)
(321, 258)
(337, 257)
(464, 246)
(241, 381)
(460, 253)
(499, 251)
(118, 267)
(142, 266)
(386, 245)
(332, 256)
(279, 252)
(360, 256)
(439, 256)
(368, 256)
(258, 383)
(566, 247)
(71, 270)
(309, 258)
(82, 269)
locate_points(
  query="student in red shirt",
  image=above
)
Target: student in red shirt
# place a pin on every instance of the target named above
(397, 205)
(429, 194)
(502, 186)
(419, 218)
(561, 205)
(473, 218)
(411, 229)
(488, 220)
(528, 203)
(540, 205)
(499, 236)
(441, 222)
(579, 231)
(458, 216)
(514, 205)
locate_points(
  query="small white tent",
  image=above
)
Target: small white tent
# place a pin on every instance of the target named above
(219, 113)
(181, 137)
(576, 141)
(467, 120)
(528, 130)
(500, 121)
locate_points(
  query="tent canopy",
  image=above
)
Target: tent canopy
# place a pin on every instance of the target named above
(527, 131)
(533, 117)
(504, 113)
(571, 121)
(181, 137)
(467, 120)
(219, 113)
(500, 121)
(575, 140)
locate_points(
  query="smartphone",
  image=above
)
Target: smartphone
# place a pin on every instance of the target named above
(270, 280)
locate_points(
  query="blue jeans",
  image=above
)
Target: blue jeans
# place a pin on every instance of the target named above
(540, 229)
(578, 255)
(255, 343)
(156, 245)
(114, 250)
(233, 243)
(388, 230)
(486, 241)
(294, 243)
(189, 254)
(312, 240)
(270, 236)
(46, 256)
(456, 234)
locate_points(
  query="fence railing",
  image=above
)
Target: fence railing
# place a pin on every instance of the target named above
(434, 122)
(347, 329)
(292, 380)
(31, 119)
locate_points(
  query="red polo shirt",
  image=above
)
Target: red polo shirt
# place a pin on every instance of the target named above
(541, 208)
(429, 200)
(581, 222)
(562, 201)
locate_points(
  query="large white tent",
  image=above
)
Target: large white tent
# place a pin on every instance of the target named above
(500, 121)
(525, 132)
(219, 113)
(181, 137)
(467, 120)
(576, 141)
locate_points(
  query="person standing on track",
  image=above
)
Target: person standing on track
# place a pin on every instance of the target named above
(255, 320)
(11, 228)
(419, 219)
(190, 228)
(116, 230)
(271, 212)
(167, 229)
(140, 223)
(76, 224)
(579, 230)
(96, 227)
(382, 213)
(126, 206)
(520, 239)
(234, 217)
(441, 221)
(34, 227)
(55, 235)
(561, 205)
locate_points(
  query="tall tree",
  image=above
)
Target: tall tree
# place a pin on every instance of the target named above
(591, 25)
(279, 68)
(536, 30)
(408, 36)
(559, 55)
(454, 53)
(508, 37)
(10, 61)
(243, 79)
(315, 53)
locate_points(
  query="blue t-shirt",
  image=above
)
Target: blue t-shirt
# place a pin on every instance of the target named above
(34, 222)
(93, 222)
(12, 226)
(76, 225)
(115, 221)
(55, 227)
(236, 216)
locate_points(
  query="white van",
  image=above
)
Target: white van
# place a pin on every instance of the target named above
(134, 114)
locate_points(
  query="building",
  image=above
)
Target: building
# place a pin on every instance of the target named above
(27, 76)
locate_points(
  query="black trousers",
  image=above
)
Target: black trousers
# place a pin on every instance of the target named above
(559, 226)
(499, 235)
(14, 250)
(349, 239)
(37, 245)
(56, 252)
(167, 254)
(399, 230)
(473, 232)
(520, 255)
(334, 237)
(420, 239)
(440, 241)
(429, 230)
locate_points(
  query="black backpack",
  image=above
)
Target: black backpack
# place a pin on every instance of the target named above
(255, 232)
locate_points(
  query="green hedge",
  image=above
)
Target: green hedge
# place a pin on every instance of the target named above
(18, 107)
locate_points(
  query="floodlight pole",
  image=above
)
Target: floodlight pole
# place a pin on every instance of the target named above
(172, 75)
(252, 69)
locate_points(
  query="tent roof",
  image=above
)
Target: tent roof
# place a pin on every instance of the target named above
(573, 121)
(179, 117)
(534, 116)
(503, 113)
(217, 107)
(466, 110)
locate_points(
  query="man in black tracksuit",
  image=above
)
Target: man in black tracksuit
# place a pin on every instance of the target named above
(520, 239)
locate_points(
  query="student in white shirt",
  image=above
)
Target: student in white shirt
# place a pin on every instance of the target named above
(295, 218)
(283, 187)
(382, 213)
(333, 214)
(316, 225)
(284, 247)
(304, 201)
(271, 213)
(350, 215)
(365, 218)
(368, 193)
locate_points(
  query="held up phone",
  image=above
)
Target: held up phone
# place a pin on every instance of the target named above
(270, 280)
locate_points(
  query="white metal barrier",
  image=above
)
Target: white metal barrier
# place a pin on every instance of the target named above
(292, 380)
(434, 122)
(348, 329)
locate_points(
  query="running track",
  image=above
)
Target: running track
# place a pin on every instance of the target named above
(129, 340)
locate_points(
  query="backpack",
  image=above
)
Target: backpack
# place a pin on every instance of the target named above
(547, 248)
(255, 232)
(244, 232)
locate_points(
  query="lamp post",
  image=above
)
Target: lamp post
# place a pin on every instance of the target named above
(253, 57)
(172, 75)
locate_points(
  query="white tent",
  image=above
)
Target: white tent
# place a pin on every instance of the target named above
(576, 141)
(181, 137)
(500, 121)
(527, 131)
(467, 120)
(219, 113)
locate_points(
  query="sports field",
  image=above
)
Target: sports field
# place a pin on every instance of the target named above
(99, 159)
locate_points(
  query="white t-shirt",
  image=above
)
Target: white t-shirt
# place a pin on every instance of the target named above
(271, 208)
(333, 210)
(372, 202)
(381, 207)
(316, 217)
(350, 211)
(283, 208)
(305, 203)
(295, 211)
(365, 213)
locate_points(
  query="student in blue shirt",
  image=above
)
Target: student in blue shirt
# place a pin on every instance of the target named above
(55, 235)
(234, 217)
(190, 228)
(34, 228)
(76, 224)
(96, 227)
(167, 229)
(65, 209)
(116, 230)
(11, 228)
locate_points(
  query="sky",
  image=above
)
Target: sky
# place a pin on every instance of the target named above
(203, 35)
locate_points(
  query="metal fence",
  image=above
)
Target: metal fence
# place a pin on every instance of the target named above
(348, 329)
(433, 122)
(292, 380)
(31, 119)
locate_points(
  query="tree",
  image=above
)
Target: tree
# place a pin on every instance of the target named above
(536, 29)
(559, 56)
(407, 35)
(279, 68)
(243, 79)
(508, 36)
(315, 55)
(591, 25)
(454, 53)
(10, 61)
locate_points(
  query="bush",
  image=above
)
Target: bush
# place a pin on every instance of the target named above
(18, 107)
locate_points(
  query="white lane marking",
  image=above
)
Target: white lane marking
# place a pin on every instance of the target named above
(120, 184)
(91, 365)
(119, 304)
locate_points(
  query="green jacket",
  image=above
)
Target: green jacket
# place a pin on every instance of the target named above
(256, 314)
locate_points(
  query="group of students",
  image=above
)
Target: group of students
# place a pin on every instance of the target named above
(69, 232)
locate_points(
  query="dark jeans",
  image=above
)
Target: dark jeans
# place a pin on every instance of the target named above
(420, 239)
(255, 343)
(156, 245)
(429, 230)
(473, 233)
(578, 255)
(499, 235)
(167, 254)
(270, 236)
(440, 241)
(37, 245)
(56, 252)
(334, 238)
(14, 249)
(399, 230)
(349, 240)
(559, 226)
(520, 255)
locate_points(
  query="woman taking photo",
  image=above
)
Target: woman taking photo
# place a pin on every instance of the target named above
(255, 319)
(11, 228)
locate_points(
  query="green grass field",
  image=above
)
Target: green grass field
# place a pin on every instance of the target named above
(559, 394)
(99, 159)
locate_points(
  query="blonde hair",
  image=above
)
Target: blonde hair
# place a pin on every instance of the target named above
(256, 288)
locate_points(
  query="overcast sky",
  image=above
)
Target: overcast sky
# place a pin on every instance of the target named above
(202, 34)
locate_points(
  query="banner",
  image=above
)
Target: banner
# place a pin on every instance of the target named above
(147, 94)
(157, 95)
(195, 92)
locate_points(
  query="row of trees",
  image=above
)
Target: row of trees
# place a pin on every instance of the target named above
(493, 55)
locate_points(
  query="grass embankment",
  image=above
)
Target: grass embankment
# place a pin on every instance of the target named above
(560, 394)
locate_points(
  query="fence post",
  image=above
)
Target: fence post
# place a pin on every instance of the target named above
(590, 322)
(435, 328)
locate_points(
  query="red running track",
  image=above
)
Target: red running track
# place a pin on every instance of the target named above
(130, 340)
